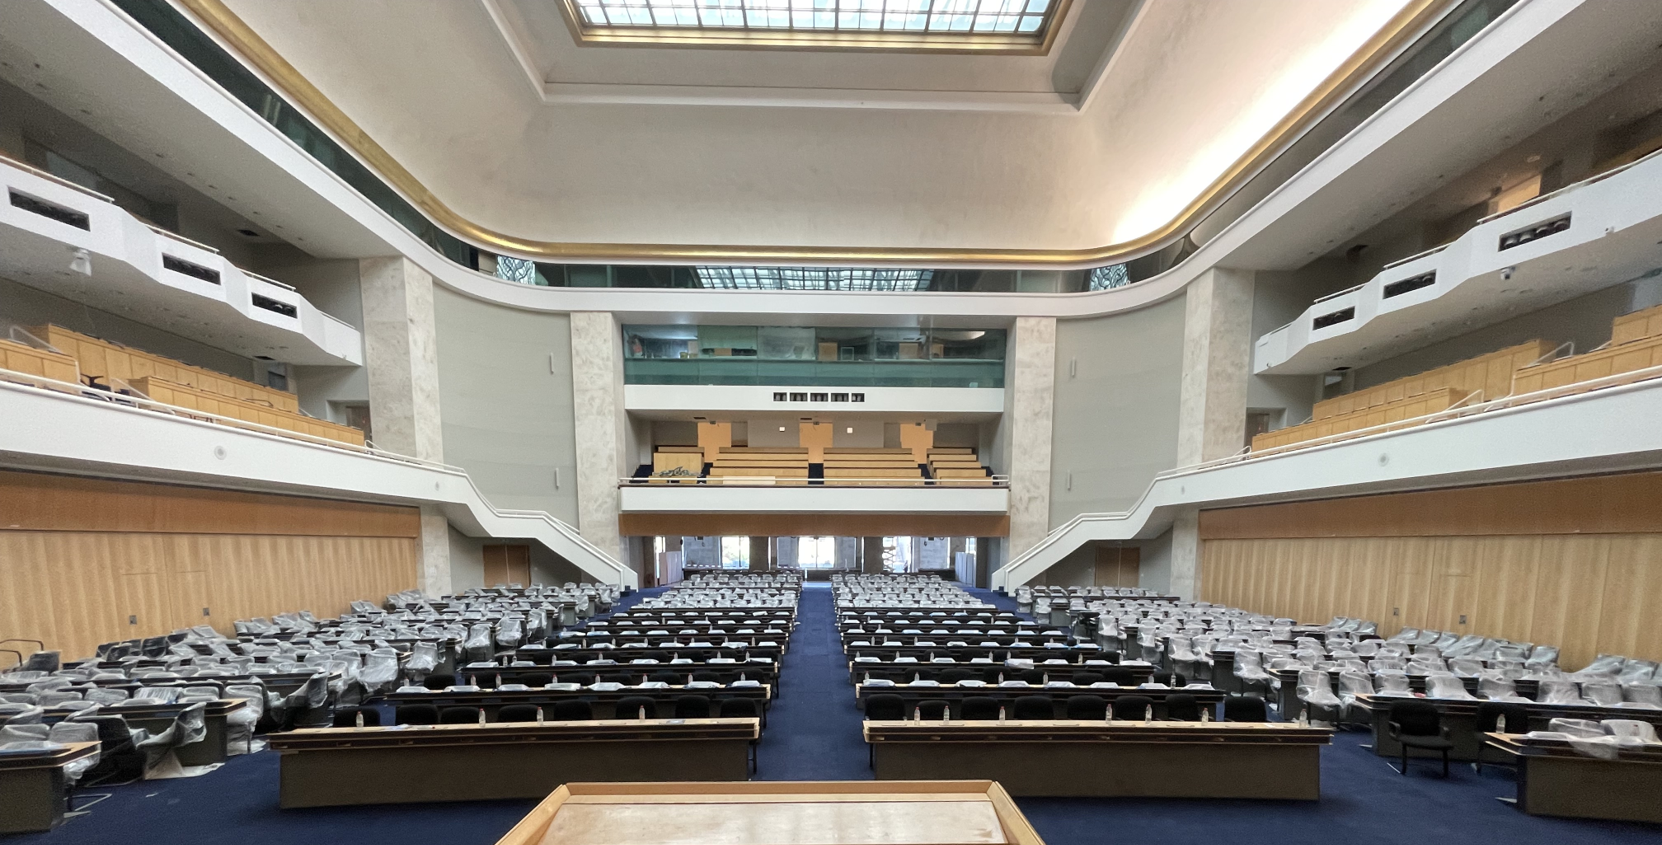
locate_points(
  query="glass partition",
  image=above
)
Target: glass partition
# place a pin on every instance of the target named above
(825, 356)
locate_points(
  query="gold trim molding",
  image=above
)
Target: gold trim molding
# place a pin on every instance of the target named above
(1374, 54)
(1006, 44)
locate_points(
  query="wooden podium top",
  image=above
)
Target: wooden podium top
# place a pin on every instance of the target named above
(776, 813)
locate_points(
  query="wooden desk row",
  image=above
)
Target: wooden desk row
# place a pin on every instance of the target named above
(1556, 780)
(1008, 695)
(325, 767)
(1078, 759)
(991, 672)
(492, 701)
(1460, 717)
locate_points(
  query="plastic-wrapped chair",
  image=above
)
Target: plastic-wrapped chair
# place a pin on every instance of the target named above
(1602, 693)
(67, 732)
(1498, 689)
(1466, 667)
(306, 705)
(380, 670)
(1391, 682)
(1446, 686)
(1315, 689)
(1541, 657)
(424, 658)
(1559, 691)
(240, 724)
(510, 633)
(1645, 696)
(1351, 685)
(190, 726)
(23, 733)
(1249, 671)
(478, 644)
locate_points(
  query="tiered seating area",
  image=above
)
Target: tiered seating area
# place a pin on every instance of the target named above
(841, 467)
(110, 367)
(1635, 345)
(1466, 382)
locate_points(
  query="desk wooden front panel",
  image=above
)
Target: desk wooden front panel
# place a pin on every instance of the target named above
(1092, 759)
(350, 766)
(1460, 717)
(32, 788)
(1555, 780)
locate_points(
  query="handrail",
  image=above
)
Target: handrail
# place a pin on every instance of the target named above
(1415, 257)
(268, 280)
(29, 339)
(999, 481)
(171, 235)
(1338, 294)
(53, 177)
(338, 320)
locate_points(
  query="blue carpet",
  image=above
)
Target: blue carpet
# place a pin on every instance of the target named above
(813, 733)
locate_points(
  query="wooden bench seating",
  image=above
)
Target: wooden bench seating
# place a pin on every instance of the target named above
(102, 359)
(185, 396)
(1639, 354)
(1490, 373)
(1409, 408)
(22, 358)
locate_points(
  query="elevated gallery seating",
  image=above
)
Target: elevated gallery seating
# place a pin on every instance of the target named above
(1635, 345)
(876, 467)
(783, 465)
(101, 364)
(958, 467)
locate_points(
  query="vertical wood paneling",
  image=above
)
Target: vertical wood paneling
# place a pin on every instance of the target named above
(1586, 594)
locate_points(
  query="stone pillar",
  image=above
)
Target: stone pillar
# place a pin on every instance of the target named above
(1029, 403)
(1217, 358)
(871, 555)
(597, 396)
(1211, 418)
(401, 353)
(759, 555)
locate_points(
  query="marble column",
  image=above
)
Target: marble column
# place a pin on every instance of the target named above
(871, 555)
(1029, 405)
(597, 396)
(759, 561)
(401, 351)
(402, 356)
(1211, 417)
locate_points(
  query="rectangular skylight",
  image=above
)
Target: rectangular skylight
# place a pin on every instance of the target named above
(813, 278)
(914, 23)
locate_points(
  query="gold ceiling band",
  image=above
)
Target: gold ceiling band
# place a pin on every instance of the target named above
(302, 93)
(843, 40)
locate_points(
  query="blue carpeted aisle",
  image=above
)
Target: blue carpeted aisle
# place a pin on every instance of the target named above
(813, 733)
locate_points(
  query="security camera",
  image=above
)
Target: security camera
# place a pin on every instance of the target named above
(1506, 273)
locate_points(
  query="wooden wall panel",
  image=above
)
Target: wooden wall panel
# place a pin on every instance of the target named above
(1606, 504)
(84, 562)
(1588, 594)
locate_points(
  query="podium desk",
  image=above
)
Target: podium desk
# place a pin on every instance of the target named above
(321, 767)
(777, 813)
(1066, 759)
(1556, 780)
(32, 787)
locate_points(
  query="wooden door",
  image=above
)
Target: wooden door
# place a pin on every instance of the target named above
(507, 564)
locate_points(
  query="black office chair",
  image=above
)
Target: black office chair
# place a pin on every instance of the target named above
(459, 716)
(1246, 708)
(623, 678)
(708, 677)
(415, 714)
(573, 710)
(692, 707)
(347, 717)
(585, 679)
(885, 707)
(664, 676)
(1170, 679)
(978, 708)
(1085, 679)
(1182, 707)
(535, 680)
(932, 711)
(635, 707)
(1123, 677)
(741, 708)
(1417, 724)
(438, 682)
(120, 761)
(1032, 676)
(517, 713)
(1489, 714)
(1110, 656)
(1132, 708)
(1087, 707)
(953, 676)
(660, 656)
(1034, 707)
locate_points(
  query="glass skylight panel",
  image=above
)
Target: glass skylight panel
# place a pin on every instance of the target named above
(1028, 18)
(814, 278)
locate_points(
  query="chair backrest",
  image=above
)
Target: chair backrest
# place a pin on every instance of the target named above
(537, 679)
(1085, 679)
(692, 707)
(1182, 707)
(1416, 718)
(1034, 707)
(932, 711)
(1087, 707)
(978, 708)
(632, 706)
(1132, 707)
(459, 716)
(1517, 716)
(573, 710)
(517, 713)
(415, 714)
(438, 682)
(744, 708)
(347, 717)
(885, 707)
(1032, 676)
(1246, 708)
